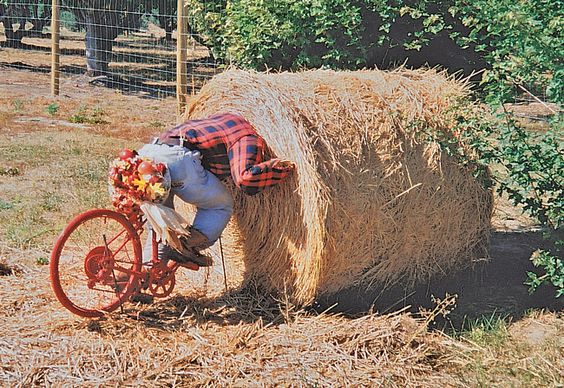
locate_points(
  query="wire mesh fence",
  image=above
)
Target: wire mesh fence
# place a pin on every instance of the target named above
(124, 44)
(531, 103)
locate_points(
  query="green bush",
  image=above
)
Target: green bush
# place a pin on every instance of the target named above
(294, 34)
(283, 34)
(529, 170)
(519, 40)
(522, 43)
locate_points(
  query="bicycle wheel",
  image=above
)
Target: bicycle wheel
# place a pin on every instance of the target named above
(96, 263)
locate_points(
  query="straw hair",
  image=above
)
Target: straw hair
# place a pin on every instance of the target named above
(372, 200)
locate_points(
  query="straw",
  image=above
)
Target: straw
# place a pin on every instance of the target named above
(372, 201)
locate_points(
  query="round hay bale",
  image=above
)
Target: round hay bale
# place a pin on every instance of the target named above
(372, 200)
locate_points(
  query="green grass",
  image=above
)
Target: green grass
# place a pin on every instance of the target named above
(493, 356)
(52, 109)
(156, 124)
(51, 201)
(18, 105)
(60, 175)
(84, 115)
(4, 205)
(42, 260)
(488, 330)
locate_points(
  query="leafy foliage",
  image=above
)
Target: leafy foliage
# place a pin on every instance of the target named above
(528, 168)
(308, 33)
(554, 272)
(287, 34)
(522, 42)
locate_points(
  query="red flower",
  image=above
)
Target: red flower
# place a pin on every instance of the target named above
(161, 168)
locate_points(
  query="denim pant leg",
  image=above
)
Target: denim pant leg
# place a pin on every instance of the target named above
(195, 185)
(204, 190)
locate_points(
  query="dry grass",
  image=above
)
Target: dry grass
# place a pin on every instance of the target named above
(126, 118)
(236, 340)
(201, 336)
(527, 353)
(372, 201)
(244, 338)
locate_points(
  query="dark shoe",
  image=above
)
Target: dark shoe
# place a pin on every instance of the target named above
(187, 255)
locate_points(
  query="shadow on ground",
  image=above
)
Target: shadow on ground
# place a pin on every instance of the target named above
(247, 305)
(491, 288)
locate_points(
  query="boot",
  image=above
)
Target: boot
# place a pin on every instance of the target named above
(195, 239)
(187, 255)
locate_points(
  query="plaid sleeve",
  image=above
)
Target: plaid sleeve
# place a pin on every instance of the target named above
(250, 173)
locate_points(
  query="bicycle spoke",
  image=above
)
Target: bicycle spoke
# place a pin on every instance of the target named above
(96, 259)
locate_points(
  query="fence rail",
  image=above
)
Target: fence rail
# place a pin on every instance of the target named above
(135, 46)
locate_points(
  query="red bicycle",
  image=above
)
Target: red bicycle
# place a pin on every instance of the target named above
(97, 263)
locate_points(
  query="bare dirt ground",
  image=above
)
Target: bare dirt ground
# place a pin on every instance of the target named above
(52, 166)
(143, 63)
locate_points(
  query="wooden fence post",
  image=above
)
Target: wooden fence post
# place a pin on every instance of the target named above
(55, 52)
(181, 46)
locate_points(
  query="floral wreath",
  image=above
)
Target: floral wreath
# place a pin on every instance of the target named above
(134, 179)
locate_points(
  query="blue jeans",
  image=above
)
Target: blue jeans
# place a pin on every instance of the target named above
(195, 185)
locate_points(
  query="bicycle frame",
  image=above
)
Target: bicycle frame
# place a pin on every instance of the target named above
(158, 276)
(102, 267)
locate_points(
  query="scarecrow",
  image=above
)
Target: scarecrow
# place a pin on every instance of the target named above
(190, 161)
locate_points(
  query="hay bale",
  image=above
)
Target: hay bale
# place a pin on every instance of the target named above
(372, 201)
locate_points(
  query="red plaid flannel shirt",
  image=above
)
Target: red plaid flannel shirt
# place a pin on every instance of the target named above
(230, 146)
